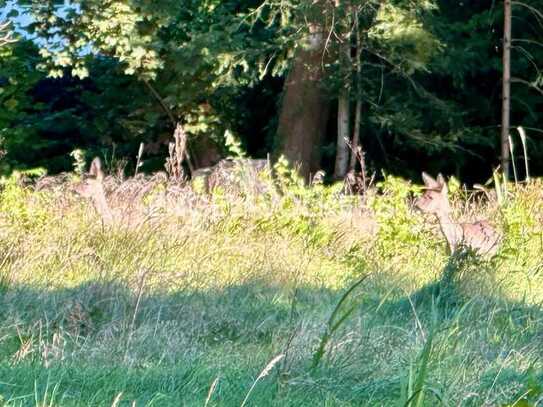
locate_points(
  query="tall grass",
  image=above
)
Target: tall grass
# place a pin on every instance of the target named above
(355, 301)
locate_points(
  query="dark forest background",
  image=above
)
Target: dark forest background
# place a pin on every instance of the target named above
(105, 76)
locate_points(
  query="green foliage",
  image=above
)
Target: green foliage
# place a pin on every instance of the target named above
(147, 37)
(398, 227)
(300, 206)
(408, 45)
(233, 145)
(17, 77)
(283, 203)
(16, 201)
(114, 29)
(414, 389)
(532, 390)
(79, 164)
(520, 222)
(288, 177)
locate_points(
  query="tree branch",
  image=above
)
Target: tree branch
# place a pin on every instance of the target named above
(171, 116)
(166, 109)
(7, 37)
(529, 84)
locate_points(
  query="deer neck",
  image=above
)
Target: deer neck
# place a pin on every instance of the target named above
(451, 229)
(101, 205)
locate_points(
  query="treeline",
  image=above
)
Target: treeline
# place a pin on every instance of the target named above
(412, 84)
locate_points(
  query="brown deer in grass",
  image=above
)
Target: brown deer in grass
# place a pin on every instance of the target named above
(93, 189)
(479, 236)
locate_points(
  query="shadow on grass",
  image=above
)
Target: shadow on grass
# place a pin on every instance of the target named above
(470, 320)
(87, 344)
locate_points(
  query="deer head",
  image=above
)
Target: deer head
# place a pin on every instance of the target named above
(434, 199)
(92, 185)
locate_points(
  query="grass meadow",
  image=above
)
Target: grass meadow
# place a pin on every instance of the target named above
(292, 296)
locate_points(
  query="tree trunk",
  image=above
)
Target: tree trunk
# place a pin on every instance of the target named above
(344, 108)
(342, 151)
(506, 89)
(342, 148)
(358, 152)
(305, 108)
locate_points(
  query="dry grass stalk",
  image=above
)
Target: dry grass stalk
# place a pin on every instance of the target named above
(178, 152)
(266, 371)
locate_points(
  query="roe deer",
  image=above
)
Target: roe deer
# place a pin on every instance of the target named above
(479, 236)
(233, 174)
(93, 188)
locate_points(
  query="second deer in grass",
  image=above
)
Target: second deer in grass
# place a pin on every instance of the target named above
(93, 189)
(479, 236)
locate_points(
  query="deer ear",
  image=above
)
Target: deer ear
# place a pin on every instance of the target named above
(96, 169)
(429, 181)
(442, 184)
